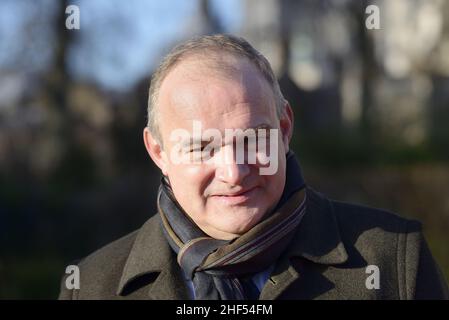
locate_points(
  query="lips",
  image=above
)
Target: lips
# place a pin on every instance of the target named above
(236, 197)
(233, 194)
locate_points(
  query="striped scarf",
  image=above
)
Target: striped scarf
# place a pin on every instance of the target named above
(220, 269)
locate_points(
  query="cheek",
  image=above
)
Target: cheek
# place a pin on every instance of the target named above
(188, 181)
(275, 183)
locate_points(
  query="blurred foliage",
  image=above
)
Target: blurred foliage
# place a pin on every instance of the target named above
(74, 174)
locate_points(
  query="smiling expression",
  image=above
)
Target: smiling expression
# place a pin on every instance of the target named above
(224, 199)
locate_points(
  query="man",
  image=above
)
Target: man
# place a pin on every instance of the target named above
(235, 219)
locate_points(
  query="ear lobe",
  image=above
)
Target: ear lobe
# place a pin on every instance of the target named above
(155, 150)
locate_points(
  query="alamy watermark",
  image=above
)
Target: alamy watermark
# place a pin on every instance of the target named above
(73, 277)
(250, 146)
(373, 280)
(373, 19)
(73, 19)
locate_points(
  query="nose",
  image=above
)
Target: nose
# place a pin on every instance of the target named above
(231, 172)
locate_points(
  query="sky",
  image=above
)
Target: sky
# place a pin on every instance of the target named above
(120, 41)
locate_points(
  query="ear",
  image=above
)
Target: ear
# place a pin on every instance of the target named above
(155, 150)
(286, 124)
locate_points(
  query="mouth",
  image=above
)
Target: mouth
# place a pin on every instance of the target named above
(236, 197)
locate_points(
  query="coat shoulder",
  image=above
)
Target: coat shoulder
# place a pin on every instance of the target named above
(369, 232)
(396, 245)
(110, 254)
(100, 271)
(352, 216)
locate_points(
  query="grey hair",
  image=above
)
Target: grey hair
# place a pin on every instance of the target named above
(218, 43)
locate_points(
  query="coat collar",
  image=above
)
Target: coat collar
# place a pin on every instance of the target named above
(318, 236)
(317, 240)
(151, 254)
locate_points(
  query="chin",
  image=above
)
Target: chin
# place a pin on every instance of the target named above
(242, 222)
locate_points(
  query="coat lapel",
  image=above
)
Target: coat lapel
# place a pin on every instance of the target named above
(152, 259)
(317, 240)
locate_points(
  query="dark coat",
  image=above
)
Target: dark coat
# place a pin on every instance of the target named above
(327, 259)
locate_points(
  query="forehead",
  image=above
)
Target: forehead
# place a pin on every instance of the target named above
(225, 92)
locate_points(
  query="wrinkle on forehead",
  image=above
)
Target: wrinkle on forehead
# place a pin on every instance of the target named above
(200, 87)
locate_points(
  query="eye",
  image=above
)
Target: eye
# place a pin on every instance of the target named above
(204, 151)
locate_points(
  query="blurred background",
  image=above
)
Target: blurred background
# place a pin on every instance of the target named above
(371, 107)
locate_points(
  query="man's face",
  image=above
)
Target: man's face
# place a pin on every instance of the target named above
(224, 198)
